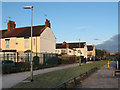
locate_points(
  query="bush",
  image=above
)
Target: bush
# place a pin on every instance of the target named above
(59, 61)
(77, 61)
(62, 61)
(22, 69)
(36, 60)
(52, 61)
(72, 61)
(65, 62)
(35, 68)
(27, 69)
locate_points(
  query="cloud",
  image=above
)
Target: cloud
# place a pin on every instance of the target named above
(96, 39)
(81, 28)
(111, 44)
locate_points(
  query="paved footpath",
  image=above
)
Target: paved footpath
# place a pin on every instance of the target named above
(10, 80)
(103, 78)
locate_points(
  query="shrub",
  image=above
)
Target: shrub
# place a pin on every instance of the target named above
(35, 68)
(72, 61)
(36, 60)
(59, 61)
(27, 69)
(52, 61)
(22, 69)
(65, 62)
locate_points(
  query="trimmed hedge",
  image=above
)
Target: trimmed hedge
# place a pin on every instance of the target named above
(21, 67)
(62, 61)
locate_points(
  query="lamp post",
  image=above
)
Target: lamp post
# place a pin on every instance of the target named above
(80, 53)
(31, 7)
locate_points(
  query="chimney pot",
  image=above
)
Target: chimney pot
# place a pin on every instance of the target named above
(11, 25)
(67, 45)
(47, 23)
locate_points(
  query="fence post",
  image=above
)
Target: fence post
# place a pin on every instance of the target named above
(44, 59)
(108, 64)
(14, 57)
(17, 57)
(4, 56)
(28, 57)
(57, 58)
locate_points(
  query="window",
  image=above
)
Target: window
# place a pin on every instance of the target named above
(7, 43)
(34, 41)
(78, 51)
(63, 51)
(26, 42)
(69, 51)
(90, 48)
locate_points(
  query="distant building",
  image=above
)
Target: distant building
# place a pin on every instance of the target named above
(90, 51)
(75, 48)
(19, 39)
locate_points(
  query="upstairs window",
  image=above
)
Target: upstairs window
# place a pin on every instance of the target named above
(26, 42)
(34, 41)
(7, 43)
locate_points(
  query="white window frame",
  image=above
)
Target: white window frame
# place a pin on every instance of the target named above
(7, 43)
(34, 41)
(26, 40)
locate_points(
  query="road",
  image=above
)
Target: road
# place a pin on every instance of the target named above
(103, 78)
(10, 80)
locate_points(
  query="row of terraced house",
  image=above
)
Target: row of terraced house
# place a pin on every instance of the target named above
(76, 49)
(18, 40)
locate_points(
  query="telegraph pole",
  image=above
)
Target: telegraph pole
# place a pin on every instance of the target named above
(80, 53)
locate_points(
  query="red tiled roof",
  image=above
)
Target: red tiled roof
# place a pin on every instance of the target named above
(23, 32)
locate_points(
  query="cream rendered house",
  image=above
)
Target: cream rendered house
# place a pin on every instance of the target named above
(19, 39)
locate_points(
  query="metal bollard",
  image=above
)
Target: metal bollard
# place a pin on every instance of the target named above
(108, 64)
(117, 65)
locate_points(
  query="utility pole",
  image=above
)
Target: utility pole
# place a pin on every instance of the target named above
(80, 53)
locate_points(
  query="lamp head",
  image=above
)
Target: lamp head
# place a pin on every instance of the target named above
(28, 7)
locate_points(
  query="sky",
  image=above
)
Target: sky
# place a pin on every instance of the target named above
(92, 22)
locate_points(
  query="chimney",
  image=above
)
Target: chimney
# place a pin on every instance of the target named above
(11, 25)
(47, 23)
(67, 45)
(64, 43)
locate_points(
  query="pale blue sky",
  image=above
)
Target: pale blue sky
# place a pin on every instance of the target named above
(69, 21)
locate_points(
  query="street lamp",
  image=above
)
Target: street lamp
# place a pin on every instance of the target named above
(31, 7)
(80, 53)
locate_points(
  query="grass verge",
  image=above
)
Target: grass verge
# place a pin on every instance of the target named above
(51, 79)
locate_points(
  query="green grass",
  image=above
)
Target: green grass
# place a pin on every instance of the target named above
(51, 79)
